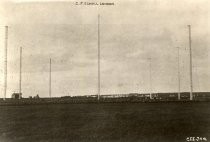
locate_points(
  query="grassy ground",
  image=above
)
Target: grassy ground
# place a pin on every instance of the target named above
(144, 122)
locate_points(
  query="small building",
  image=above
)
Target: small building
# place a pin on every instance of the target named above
(36, 97)
(109, 96)
(133, 94)
(16, 95)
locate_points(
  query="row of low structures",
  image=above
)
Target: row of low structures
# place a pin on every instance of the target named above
(118, 98)
(184, 96)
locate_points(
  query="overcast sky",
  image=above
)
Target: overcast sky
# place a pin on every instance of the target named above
(131, 32)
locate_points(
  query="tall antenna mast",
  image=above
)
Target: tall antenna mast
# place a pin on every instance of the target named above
(178, 74)
(20, 81)
(190, 50)
(150, 77)
(99, 57)
(50, 80)
(5, 65)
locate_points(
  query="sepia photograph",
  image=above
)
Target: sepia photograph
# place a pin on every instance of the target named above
(104, 71)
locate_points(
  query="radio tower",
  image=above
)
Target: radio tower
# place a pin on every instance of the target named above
(190, 50)
(178, 73)
(5, 65)
(99, 57)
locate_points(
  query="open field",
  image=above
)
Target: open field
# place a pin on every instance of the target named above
(126, 122)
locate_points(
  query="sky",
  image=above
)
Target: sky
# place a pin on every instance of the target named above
(130, 33)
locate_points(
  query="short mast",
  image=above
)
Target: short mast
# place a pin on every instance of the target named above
(178, 73)
(150, 77)
(20, 81)
(50, 80)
